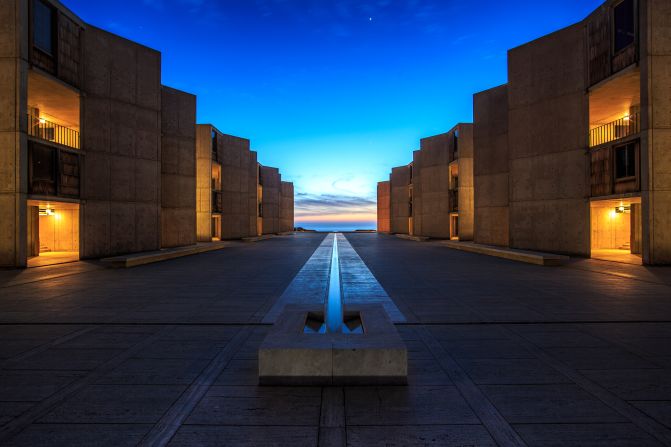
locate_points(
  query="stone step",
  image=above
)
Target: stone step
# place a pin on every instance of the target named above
(529, 257)
(137, 259)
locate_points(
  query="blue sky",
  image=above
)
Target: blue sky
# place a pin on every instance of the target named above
(335, 92)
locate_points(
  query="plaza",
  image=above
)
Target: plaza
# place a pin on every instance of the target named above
(499, 352)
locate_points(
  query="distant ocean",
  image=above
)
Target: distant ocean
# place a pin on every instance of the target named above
(337, 226)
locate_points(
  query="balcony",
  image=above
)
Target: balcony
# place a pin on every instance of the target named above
(217, 202)
(625, 127)
(53, 171)
(55, 133)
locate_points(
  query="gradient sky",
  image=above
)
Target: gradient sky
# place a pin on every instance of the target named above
(333, 92)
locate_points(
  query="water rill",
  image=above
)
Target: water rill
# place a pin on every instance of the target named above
(330, 343)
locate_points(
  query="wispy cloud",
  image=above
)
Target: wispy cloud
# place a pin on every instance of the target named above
(321, 207)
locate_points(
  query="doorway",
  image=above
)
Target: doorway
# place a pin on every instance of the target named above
(53, 233)
(616, 232)
(454, 227)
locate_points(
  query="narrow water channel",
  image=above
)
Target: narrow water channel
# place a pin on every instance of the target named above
(334, 305)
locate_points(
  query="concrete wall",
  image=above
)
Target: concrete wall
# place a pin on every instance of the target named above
(431, 195)
(234, 157)
(122, 138)
(254, 221)
(13, 146)
(490, 167)
(548, 128)
(466, 182)
(287, 207)
(383, 207)
(656, 135)
(178, 168)
(400, 211)
(203, 183)
(61, 231)
(271, 181)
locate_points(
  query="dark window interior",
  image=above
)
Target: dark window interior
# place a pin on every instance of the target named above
(43, 27)
(625, 161)
(625, 24)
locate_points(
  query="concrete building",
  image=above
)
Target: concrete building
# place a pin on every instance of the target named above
(571, 155)
(442, 185)
(227, 179)
(81, 135)
(383, 207)
(433, 195)
(97, 158)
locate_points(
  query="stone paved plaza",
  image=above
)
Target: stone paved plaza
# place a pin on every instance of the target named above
(500, 353)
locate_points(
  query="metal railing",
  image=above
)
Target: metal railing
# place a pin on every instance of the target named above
(55, 133)
(622, 128)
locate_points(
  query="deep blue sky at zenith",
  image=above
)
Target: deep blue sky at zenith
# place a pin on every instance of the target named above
(333, 92)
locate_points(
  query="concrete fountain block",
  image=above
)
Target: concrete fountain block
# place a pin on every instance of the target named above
(288, 356)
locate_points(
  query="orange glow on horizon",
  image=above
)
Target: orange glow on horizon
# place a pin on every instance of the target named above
(363, 217)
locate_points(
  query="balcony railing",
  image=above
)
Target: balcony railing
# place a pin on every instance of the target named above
(55, 133)
(622, 128)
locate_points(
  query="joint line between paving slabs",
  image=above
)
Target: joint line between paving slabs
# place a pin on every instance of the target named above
(44, 347)
(23, 421)
(172, 420)
(504, 435)
(642, 421)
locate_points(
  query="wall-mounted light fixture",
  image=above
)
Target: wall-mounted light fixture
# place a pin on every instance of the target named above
(622, 209)
(46, 212)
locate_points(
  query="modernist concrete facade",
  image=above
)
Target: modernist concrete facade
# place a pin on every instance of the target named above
(571, 156)
(432, 196)
(97, 158)
(227, 178)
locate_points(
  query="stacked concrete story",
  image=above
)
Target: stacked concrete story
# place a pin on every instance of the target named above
(570, 155)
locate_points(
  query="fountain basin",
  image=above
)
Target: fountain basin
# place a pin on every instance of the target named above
(292, 355)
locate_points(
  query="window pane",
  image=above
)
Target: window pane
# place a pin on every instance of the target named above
(625, 161)
(625, 28)
(43, 27)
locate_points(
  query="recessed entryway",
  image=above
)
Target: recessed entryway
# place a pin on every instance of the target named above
(53, 232)
(616, 230)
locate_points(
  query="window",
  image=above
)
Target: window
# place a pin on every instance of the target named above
(625, 25)
(625, 161)
(43, 27)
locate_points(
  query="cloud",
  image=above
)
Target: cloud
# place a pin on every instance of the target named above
(319, 206)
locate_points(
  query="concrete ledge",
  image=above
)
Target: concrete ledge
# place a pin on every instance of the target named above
(258, 238)
(288, 356)
(529, 257)
(150, 257)
(412, 238)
